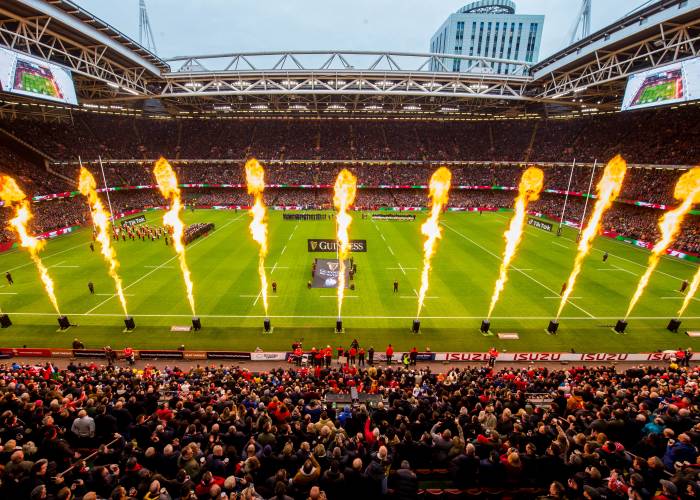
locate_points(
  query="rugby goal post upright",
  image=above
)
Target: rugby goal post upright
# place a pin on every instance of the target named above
(104, 180)
(566, 197)
(585, 204)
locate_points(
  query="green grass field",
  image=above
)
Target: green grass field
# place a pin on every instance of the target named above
(226, 284)
(38, 84)
(661, 92)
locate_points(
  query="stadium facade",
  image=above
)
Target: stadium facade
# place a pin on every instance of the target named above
(490, 28)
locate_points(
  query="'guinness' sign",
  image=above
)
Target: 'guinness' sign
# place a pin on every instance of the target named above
(317, 245)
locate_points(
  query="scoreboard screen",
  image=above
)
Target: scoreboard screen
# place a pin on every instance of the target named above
(32, 77)
(671, 84)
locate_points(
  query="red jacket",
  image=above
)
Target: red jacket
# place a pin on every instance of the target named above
(389, 351)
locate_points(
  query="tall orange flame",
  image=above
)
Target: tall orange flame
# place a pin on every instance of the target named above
(439, 194)
(688, 191)
(255, 179)
(529, 190)
(100, 217)
(692, 290)
(167, 183)
(344, 194)
(607, 191)
(13, 196)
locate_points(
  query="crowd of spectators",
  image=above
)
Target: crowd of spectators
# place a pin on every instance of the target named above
(222, 432)
(31, 177)
(632, 221)
(672, 138)
(561, 140)
(653, 185)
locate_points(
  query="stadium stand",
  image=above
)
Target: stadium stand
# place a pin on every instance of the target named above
(673, 142)
(91, 431)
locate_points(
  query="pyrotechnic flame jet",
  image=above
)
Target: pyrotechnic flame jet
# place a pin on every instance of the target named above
(688, 192)
(607, 191)
(529, 190)
(167, 183)
(692, 290)
(13, 196)
(439, 195)
(100, 217)
(344, 194)
(255, 179)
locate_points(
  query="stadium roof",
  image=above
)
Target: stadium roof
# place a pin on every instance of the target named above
(115, 74)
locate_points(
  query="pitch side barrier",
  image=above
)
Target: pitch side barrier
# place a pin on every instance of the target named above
(286, 356)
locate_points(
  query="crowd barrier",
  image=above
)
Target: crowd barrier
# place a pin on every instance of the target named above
(285, 356)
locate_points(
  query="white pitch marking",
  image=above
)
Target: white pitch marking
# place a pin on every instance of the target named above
(8, 293)
(416, 292)
(390, 250)
(57, 264)
(276, 267)
(559, 297)
(521, 269)
(283, 250)
(260, 292)
(110, 294)
(44, 257)
(402, 268)
(160, 267)
(624, 270)
(560, 245)
(164, 263)
(64, 266)
(521, 272)
(258, 295)
(563, 318)
(670, 298)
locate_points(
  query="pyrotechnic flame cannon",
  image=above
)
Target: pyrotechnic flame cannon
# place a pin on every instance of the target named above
(674, 325)
(415, 328)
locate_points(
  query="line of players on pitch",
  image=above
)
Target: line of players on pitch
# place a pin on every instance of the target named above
(133, 233)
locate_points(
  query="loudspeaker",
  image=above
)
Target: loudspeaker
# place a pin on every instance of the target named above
(5, 321)
(63, 322)
(196, 324)
(620, 326)
(266, 325)
(553, 327)
(673, 325)
(485, 326)
(339, 326)
(416, 326)
(129, 323)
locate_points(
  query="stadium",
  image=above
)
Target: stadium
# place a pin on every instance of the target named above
(329, 274)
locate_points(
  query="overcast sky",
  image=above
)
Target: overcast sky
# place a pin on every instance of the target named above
(193, 27)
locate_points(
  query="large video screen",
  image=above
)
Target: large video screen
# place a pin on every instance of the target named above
(677, 82)
(28, 76)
